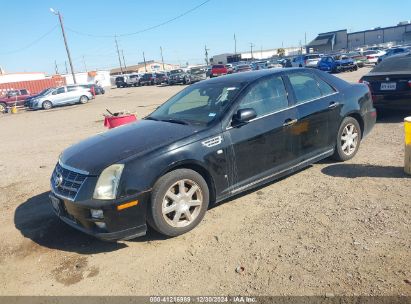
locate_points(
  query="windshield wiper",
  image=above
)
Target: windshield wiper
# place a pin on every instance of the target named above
(177, 121)
(150, 118)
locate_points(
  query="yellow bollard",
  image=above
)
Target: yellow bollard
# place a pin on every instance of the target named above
(407, 154)
(13, 110)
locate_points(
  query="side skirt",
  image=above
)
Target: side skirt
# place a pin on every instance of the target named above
(279, 174)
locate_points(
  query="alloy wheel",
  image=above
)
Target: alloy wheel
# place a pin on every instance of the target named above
(182, 203)
(349, 139)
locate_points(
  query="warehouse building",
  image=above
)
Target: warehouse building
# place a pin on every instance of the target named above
(144, 67)
(342, 40)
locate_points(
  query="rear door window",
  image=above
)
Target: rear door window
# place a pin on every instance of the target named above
(305, 87)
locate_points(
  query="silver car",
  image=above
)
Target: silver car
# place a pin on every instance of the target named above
(60, 96)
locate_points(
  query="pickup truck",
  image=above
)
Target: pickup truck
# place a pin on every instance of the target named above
(218, 70)
(13, 98)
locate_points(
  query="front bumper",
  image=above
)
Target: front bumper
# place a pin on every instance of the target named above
(119, 224)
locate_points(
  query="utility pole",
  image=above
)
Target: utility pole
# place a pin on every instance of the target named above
(206, 54)
(162, 59)
(65, 43)
(235, 45)
(84, 62)
(145, 64)
(251, 47)
(124, 61)
(118, 54)
(55, 67)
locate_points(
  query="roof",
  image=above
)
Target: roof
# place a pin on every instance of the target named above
(380, 29)
(245, 76)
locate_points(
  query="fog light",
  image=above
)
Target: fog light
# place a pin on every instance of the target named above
(96, 213)
(100, 225)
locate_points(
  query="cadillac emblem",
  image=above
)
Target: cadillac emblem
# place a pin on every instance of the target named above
(59, 180)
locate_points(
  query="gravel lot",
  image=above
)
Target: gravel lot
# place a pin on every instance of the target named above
(335, 228)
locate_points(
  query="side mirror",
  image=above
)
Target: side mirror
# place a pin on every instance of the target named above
(243, 116)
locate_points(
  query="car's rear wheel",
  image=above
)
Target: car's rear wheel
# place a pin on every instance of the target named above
(47, 105)
(3, 107)
(348, 139)
(178, 202)
(83, 99)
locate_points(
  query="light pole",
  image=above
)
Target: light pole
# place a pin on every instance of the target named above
(162, 59)
(65, 43)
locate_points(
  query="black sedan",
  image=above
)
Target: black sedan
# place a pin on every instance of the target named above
(211, 141)
(390, 82)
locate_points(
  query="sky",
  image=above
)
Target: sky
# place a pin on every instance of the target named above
(32, 39)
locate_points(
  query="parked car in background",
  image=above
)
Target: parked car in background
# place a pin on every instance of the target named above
(213, 140)
(178, 76)
(285, 62)
(359, 60)
(133, 79)
(230, 68)
(308, 60)
(147, 79)
(373, 55)
(336, 64)
(61, 96)
(218, 70)
(198, 74)
(160, 78)
(98, 90)
(392, 52)
(243, 68)
(13, 98)
(121, 81)
(390, 82)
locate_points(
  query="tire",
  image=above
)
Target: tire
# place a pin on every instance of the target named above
(175, 222)
(118, 86)
(3, 107)
(187, 80)
(46, 105)
(346, 149)
(83, 99)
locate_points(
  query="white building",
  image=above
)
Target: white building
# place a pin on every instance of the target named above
(24, 76)
(102, 77)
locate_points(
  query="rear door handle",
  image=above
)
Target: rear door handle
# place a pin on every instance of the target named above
(333, 105)
(289, 122)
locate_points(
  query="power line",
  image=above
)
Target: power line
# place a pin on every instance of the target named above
(31, 43)
(143, 30)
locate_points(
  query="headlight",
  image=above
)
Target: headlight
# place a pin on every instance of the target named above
(107, 184)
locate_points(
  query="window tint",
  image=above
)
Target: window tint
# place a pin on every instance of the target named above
(394, 64)
(325, 88)
(266, 96)
(60, 90)
(305, 87)
(71, 89)
(24, 92)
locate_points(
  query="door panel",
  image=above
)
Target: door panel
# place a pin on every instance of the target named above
(264, 144)
(262, 147)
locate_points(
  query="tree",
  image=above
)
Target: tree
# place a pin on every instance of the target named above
(281, 52)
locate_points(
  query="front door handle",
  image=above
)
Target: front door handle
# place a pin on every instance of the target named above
(333, 105)
(289, 122)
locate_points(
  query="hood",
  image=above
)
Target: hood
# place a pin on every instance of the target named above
(100, 151)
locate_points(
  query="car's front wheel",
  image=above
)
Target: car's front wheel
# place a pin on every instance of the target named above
(47, 105)
(178, 202)
(3, 107)
(348, 139)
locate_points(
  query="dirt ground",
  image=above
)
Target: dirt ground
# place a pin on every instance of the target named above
(333, 228)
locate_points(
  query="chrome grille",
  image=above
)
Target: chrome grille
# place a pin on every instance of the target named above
(70, 184)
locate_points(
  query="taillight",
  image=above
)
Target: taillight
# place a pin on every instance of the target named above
(409, 83)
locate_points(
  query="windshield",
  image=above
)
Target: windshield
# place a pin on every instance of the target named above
(198, 104)
(176, 71)
(45, 91)
(394, 64)
(197, 71)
